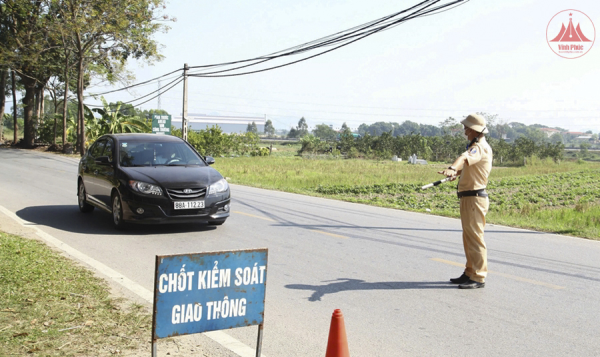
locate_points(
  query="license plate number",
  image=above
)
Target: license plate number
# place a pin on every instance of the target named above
(189, 204)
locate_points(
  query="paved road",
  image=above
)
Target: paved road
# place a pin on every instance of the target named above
(386, 269)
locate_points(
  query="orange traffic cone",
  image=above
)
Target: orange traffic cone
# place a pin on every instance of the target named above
(337, 345)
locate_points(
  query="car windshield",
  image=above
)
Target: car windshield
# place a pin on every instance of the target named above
(135, 153)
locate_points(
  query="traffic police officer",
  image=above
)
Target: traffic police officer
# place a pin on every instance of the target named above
(473, 166)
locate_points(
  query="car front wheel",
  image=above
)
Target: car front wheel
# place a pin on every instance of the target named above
(117, 211)
(83, 205)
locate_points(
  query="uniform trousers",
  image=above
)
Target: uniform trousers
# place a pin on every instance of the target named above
(472, 216)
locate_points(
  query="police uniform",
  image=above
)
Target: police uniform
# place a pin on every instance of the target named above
(474, 204)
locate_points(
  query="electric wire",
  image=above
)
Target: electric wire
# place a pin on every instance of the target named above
(213, 74)
(347, 37)
(135, 85)
(298, 47)
(158, 90)
(166, 90)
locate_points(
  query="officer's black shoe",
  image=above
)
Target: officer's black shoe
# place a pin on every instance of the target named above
(471, 285)
(460, 280)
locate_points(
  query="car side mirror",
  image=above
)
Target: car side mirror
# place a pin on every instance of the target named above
(209, 160)
(103, 160)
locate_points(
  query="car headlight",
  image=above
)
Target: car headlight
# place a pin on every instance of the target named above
(218, 187)
(146, 188)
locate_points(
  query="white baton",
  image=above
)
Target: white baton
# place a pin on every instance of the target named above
(436, 183)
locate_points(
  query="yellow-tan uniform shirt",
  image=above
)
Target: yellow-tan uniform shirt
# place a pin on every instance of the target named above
(475, 175)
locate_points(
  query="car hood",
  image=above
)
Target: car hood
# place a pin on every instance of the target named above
(174, 176)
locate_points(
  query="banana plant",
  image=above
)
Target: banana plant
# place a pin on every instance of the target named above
(94, 127)
(115, 122)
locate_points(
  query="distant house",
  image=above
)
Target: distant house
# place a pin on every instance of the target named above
(575, 133)
(584, 137)
(549, 131)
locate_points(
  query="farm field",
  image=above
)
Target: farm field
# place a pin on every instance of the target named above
(561, 198)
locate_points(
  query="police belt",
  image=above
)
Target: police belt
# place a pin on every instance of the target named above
(476, 193)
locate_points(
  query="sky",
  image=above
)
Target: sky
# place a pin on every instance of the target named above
(484, 56)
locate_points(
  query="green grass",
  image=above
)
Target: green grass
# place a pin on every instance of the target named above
(8, 134)
(562, 198)
(51, 307)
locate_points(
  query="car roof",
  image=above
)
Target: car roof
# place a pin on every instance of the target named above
(145, 137)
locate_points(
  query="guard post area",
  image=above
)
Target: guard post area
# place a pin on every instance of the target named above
(195, 293)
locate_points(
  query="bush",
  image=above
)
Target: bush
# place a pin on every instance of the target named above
(214, 142)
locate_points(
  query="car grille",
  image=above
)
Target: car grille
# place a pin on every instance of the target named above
(189, 194)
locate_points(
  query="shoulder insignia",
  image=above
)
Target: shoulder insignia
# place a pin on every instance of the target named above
(473, 151)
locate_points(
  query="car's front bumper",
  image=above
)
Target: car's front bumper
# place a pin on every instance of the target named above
(216, 209)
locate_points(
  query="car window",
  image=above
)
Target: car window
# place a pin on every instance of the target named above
(156, 153)
(108, 149)
(97, 148)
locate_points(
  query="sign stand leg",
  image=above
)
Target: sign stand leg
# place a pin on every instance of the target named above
(259, 340)
(154, 348)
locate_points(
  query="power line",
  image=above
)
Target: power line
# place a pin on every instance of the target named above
(345, 38)
(135, 85)
(179, 80)
(166, 90)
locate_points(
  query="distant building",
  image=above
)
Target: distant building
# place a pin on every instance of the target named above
(549, 131)
(237, 124)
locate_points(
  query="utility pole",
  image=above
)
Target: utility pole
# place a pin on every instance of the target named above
(184, 125)
(158, 94)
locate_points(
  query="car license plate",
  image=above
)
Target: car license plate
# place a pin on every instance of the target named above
(189, 204)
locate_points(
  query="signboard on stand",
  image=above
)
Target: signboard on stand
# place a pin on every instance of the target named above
(201, 292)
(161, 124)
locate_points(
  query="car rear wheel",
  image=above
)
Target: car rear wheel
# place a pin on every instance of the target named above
(83, 205)
(216, 223)
(117, 211)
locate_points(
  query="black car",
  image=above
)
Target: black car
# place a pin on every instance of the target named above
(151, 178)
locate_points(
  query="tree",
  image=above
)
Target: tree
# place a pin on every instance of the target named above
(556, 138)
(408, 127)
(522, 148)
(344, 126)
(324, 132)
(583, 150)
(449, 125)
(269, 128)
(302, 127)
(293, 133)
(252, 128)
(148, 113)
(125, 109)
(105, 34)
(28, 47)
(3, 76)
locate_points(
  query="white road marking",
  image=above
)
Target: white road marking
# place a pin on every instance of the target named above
(221, 338)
